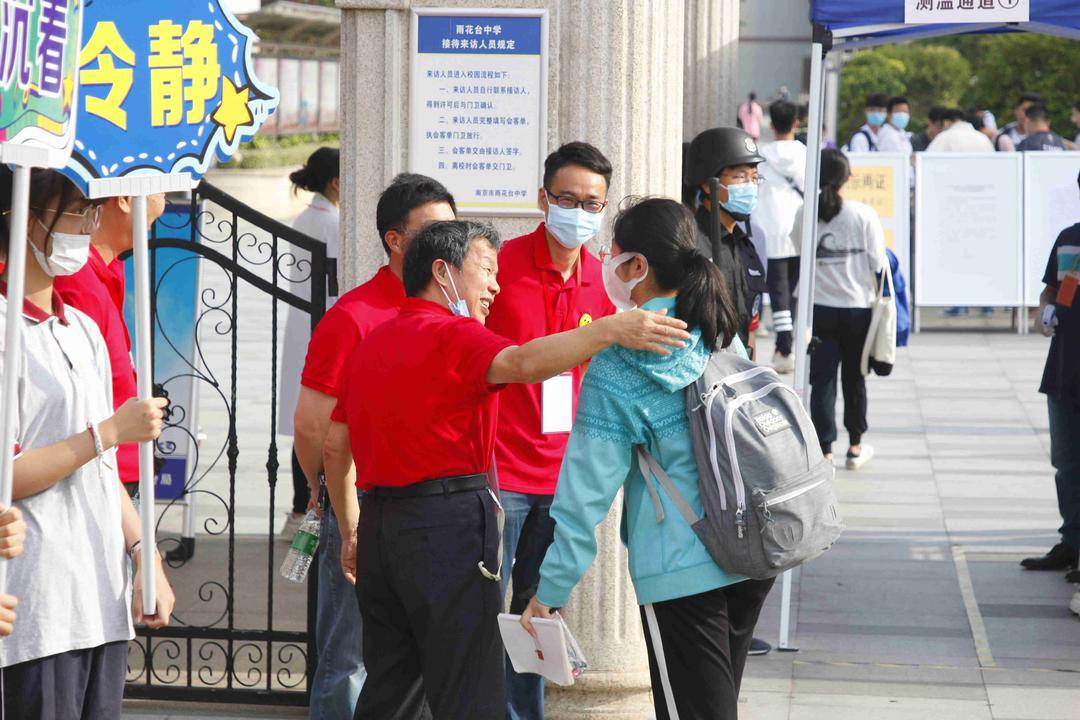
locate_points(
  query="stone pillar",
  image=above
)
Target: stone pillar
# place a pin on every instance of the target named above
(712, 65)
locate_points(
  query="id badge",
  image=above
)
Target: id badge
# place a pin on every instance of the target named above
(557, 404)
(1067, 292)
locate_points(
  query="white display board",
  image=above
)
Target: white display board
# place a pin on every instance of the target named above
(969, 229)
(1051, 204)
(881, 180)
(478, 105)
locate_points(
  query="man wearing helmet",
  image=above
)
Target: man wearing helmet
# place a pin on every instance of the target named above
(730, 155)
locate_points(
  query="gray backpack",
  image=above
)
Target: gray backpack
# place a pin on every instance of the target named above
(766, 488)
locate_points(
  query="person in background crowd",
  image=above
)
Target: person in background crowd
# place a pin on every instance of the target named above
(406, 207)
(781, 195)
(750, 116)
(320, 220)
(1039, 135)
(1075, 117)
(1059, 307)
(68, 655)
(98, 291)
(935, 123)
(12, 539)
(1017, 130)
(1001, 140)
(417, 416)
(550, 283)
(959, 135)
(697, 618)
(865, 138)
(850, 254)
(893, 135)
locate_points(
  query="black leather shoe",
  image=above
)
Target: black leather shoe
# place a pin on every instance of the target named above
(1073, 576)
(759, 647)
(1060, 557)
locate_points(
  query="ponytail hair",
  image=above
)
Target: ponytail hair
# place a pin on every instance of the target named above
(664, 232)
(321, 168)
(835, 171)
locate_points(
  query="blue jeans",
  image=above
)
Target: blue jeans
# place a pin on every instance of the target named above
(527, 533)
(1065, 457)
(340, 673)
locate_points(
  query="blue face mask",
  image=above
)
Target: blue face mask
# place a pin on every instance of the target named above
(875, 118)
(900, 120)
(742, 199)
(457, 307)
(574, 227)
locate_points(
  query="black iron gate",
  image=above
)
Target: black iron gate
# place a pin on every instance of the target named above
(240, 633)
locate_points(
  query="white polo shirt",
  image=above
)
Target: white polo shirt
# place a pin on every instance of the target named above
(72, 578)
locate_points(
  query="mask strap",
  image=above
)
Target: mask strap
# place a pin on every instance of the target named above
(453, 285)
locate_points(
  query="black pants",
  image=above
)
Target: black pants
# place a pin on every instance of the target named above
(842, 332)
(301, 493)
(76, 685)
(697, 650)
(782, 278)
(430, 617)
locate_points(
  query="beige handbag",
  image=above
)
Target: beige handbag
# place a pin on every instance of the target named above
(879, 349)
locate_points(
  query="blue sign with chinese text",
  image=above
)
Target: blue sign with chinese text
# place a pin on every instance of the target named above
(165, 87)
(491, 35)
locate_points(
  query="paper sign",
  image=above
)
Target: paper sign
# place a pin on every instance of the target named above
(921, 12)
(557, 404)
(880, 180)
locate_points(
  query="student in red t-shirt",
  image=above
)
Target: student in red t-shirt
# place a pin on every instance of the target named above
(417, 416)
(550, 283)
(98, 290)
(405, 207)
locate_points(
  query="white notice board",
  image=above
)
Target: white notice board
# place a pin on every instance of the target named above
(969, 229)
(1051, 204)
(478, 105)
(880, 180)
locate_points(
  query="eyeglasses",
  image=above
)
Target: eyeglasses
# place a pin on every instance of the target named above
(569, 202)
(744, 179)
(90, 216)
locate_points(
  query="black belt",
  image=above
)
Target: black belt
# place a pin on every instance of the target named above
(427, 488)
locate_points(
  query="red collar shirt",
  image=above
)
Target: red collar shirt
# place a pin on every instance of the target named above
(350, 320)
(535, 301)
(416, 399)
(98, 290)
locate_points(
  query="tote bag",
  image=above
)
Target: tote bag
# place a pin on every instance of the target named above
(879, 349)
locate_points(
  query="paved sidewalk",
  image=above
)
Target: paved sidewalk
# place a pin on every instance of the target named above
(921, 611)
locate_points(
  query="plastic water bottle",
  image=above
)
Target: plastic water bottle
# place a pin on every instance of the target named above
(302, 550)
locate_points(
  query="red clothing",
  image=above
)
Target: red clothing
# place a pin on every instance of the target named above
(350, 320)
(528, 460)
(416, 398)
(98, 290)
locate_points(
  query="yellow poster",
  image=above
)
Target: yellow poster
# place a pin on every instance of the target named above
(873, 185)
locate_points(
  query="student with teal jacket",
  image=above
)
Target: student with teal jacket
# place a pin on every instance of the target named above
(698, 619)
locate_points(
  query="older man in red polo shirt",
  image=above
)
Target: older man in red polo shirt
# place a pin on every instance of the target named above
(98, 290)
(417, 415)
(550, 283)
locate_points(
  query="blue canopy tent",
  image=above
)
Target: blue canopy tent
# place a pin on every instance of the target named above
(850, 24)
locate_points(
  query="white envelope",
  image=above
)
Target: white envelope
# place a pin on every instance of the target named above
(555, 653)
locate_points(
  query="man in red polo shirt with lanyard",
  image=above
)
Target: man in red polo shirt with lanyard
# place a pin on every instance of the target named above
(550, 283)
(405, 207)
(98, 290)
(417, 415)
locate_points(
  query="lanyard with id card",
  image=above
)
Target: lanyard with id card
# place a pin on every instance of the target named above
(1067, 291)
(557, 393)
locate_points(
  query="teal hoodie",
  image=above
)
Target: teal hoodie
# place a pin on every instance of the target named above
(631, 398)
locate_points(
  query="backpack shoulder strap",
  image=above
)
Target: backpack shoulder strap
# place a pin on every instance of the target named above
(650, 468)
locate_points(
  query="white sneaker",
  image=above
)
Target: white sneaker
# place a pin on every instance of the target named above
(1074, 604)
(783, 364)
(292, 524)
(857, 461)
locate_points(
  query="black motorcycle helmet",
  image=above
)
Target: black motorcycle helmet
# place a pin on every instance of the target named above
(715, 149)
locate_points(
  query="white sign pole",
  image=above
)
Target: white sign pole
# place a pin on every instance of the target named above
(144, 375)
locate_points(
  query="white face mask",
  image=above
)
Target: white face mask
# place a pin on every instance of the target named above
(69, 253)
(618, 290)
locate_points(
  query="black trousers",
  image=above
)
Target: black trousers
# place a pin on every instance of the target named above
(782, 278)
(697, 650)
(301, 492)
(842, 332)
(76, 685)
(431, 633)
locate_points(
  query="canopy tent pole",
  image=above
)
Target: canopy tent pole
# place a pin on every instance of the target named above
(144, 377)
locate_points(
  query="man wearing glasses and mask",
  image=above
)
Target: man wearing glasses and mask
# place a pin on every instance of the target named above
(550, 283)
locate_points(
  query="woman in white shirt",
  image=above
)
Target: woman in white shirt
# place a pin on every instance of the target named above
(67, 654)
(320, 220)
(850, 254)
